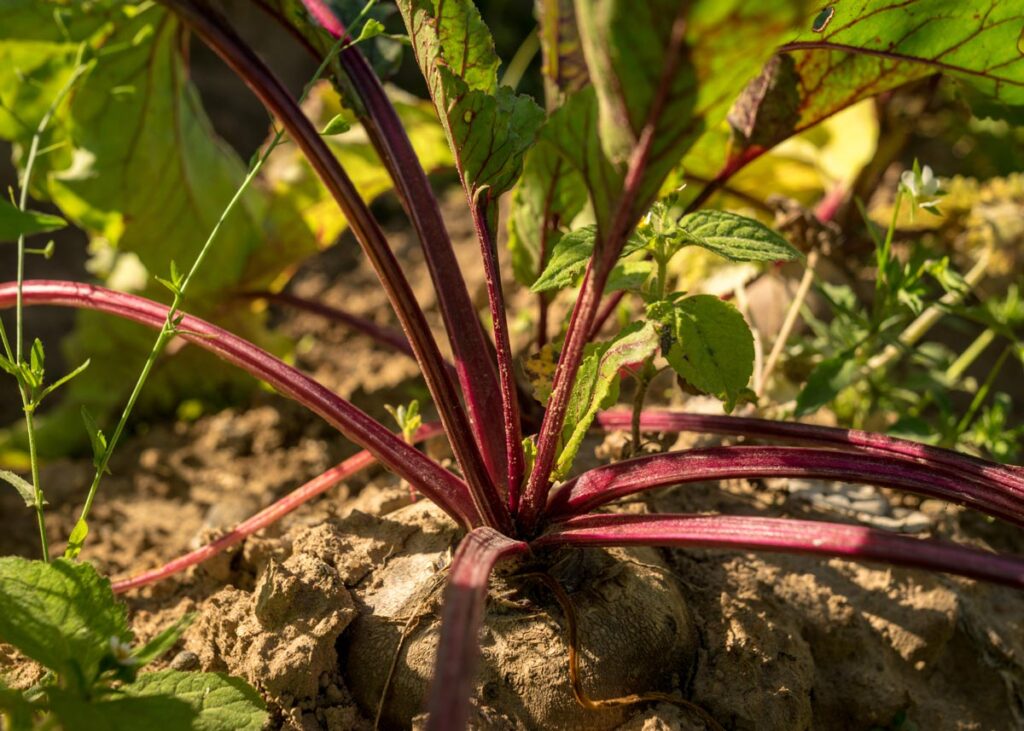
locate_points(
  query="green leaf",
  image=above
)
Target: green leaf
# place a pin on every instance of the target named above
(709, 344)
(37, 359)
(96, 438)
(489, 128)
(76, 713)
(338, 124)
(371, 29)
(77, 539)
(62, 614)
(869, 47)
(546, 199)
(572, 130)
(734, 237)
(597, 385)
(665, 71)
(827, 379)
(222, 703)
(15, 222)
(629, 276)
(23, 486)
(568, 260)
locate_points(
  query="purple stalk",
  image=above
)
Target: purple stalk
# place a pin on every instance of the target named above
(223, 40)
(531, 507)
(603, 484)
(657, 420)
(461, 616)
(269, 515)
(426, 475)
(610, 241)
(514, 457)
(472, 350)
(390, 337)
(780, 535)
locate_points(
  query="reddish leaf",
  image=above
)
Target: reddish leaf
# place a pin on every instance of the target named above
(426, 475)
(463, 612)
(603, 484)
(780, 535)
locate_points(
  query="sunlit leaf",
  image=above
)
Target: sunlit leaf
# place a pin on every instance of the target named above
(15, 222)
(734, 237)
(867, 47)
(219, 702)
(597, 385)
(23, 486)
(489, 128)
(61, 614)
(708, 343)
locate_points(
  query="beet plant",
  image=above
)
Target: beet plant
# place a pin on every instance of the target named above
(637, 96)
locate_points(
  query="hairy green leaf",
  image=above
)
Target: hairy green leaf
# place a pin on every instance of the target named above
(597, 385)
(489, 128)
(120, 713)
(734, 237)
(15, 222)
(868, 47)
(629, 276)
(23, 486)
(219, 702)
(62, 614)
(570, 256)
(568, 260)
(710, 344)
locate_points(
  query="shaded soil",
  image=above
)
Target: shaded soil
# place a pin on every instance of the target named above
(782, 643)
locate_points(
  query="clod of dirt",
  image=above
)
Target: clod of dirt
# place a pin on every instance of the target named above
(282, 636)
(635, 632)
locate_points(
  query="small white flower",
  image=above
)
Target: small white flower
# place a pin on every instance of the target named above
(122, 652)
(922, 185)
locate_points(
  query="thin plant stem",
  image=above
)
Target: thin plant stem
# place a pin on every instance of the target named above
(791, 317)
(982, 394)
(643, 383)
(927, 319)
(521, 60)
(170, 327)
(970, 354)
(27, 404)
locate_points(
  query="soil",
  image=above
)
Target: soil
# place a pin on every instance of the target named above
(311, 610)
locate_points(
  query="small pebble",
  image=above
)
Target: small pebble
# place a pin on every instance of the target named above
(185, 660)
